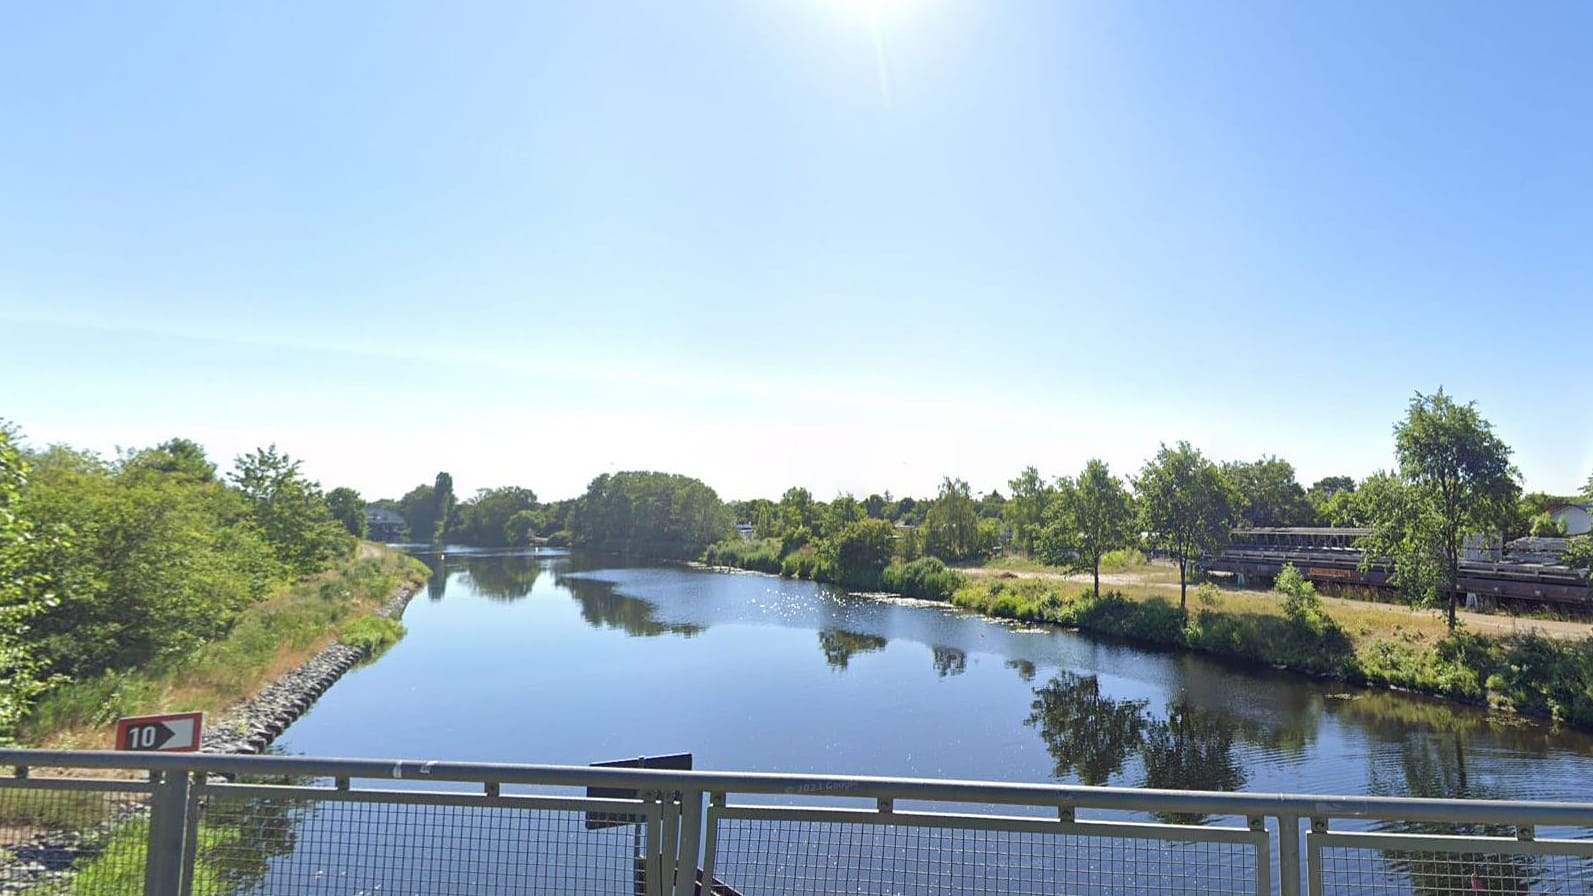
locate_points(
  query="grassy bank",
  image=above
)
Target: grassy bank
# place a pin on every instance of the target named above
(1372, 644)
(269, 638)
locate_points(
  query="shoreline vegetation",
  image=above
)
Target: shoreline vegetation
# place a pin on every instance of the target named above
(1287, 629)
(269, 640)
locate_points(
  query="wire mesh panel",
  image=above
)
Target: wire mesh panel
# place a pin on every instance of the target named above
(758, 851)
(380, 843)
(1418, 864)
(73, 836)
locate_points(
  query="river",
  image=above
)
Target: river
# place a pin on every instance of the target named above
(549, 658)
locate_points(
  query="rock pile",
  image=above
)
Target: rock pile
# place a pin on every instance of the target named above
(252, 725)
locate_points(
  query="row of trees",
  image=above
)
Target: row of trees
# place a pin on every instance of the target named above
(106, 565)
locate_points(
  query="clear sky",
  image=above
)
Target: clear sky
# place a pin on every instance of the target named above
(854, 246)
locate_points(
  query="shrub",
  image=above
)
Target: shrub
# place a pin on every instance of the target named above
(371, 635)
(1302, 606)
(1122, 559)
(927, 578)
(762, 556)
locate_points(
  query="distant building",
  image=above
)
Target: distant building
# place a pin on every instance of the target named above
(1577, 518)
(382, 524)
(745, 530)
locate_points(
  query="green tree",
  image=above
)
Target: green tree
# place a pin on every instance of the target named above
(1456, 480)
(649, 514)
(518, 529)
(1269, 495)
(289, 510)
(348, 508)
(178, 457)
(419, 508)
(842, 512)
(1186, 507)
(859, 553)
(1090, 516)
(23, 595)
(1026, 509)
(797, 510)
(483, 519)
(951, 524)
(443, 493)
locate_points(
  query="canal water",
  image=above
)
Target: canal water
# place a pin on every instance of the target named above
(549, 658)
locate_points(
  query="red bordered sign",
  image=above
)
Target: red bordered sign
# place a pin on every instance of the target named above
(170, 733)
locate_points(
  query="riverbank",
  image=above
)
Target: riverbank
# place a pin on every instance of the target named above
(281, 653)
(1379, 645)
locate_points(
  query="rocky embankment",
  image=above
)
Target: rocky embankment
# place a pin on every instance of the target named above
(45, 858)
(252, 725)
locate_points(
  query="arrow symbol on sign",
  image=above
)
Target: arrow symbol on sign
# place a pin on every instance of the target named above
(163, 733)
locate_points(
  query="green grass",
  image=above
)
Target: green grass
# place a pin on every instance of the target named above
(269, 638)
(1373, 644)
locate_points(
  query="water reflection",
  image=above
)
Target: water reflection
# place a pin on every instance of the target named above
(1092, 735)
(604, 607)
(1433, 764)
(949, 660)
(503, 577)
(1086, 732)
(840, 646)
(1192, 749)
(437, 585)
(1025, 668)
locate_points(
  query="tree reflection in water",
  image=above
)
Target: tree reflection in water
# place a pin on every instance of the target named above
(437, 585)
(1025, 668)
(1192, 749)
(1432, 764)
(603, 607)
(1085, 732)
(1092, 735)
(503, 577)
(238, 838)
(840, 646)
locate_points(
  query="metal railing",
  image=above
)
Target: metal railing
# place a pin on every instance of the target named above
(115, 823)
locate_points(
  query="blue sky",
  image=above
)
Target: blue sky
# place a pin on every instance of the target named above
(844, 244)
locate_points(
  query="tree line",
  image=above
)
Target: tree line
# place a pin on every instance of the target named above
(107, 565)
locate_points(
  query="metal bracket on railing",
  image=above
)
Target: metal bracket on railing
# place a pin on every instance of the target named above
(492, 788)
(886, 805)
(342, 782)
(1319, 825)
(1257, 823)
(1526, 832)
(1066, 814)
(20, 773)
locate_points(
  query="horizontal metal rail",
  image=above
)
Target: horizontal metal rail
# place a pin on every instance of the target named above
(429, 815)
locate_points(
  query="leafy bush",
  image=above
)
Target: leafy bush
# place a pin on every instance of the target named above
(805, 564)
(927, 578)
(1302, 606)
(762, 556)
(1122, 560)
(371, 635)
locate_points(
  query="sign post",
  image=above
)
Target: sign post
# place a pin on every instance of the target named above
(170, 733)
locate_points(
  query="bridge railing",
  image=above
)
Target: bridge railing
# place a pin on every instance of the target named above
(118, 823)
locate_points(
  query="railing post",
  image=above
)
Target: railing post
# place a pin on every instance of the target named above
(1289, 855)
(167, 859)
(690, 843)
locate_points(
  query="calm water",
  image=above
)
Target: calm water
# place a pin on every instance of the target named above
(549, 658)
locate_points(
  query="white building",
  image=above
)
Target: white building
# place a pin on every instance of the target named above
(1577, 518)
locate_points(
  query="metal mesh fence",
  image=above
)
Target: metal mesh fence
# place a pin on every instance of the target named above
(1396, 871)
(250, 845)
(62, 837)
(800, 857)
